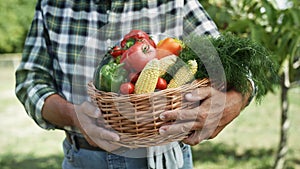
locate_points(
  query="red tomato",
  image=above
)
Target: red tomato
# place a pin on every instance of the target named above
(116, 51)
(161, 84)
(127, 88)
(133, 76)
(138, 55)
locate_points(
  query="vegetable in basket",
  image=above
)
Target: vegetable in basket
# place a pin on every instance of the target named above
(127, 88)
(138, 55)
(169, 46)
(136, 35)
(161, 84)
(147, 80)
(116, 51)
(151, 77)
(239, 57)
(110, 76)
(165, 63)
(184, 75)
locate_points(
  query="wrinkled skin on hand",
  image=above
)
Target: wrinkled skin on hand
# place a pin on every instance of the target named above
(216, 110)
(88, 123)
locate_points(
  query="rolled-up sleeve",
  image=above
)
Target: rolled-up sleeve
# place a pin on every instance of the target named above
(34, 80)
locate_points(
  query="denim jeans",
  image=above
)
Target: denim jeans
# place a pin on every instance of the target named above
(86, 159)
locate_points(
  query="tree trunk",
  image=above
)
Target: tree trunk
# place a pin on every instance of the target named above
(283, 147)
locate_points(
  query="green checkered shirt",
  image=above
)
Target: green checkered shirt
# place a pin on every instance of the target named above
(68, 37)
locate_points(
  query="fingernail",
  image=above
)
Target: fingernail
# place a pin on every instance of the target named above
(162, 117)
(162, 131)
(189, 95)
(97, 112)
(116, 138)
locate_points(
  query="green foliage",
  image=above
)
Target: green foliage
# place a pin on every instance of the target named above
(236, 57)
(278, 29)
(221, 154)
(30, 161)
(15, 19)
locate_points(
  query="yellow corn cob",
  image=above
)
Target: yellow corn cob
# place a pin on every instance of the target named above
(165, 63)
(184, 74)
(193, 65)
(147, 80)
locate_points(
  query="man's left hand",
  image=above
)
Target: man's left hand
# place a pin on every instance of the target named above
(215, 111)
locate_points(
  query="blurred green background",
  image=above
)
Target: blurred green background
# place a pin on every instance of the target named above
(249, 142)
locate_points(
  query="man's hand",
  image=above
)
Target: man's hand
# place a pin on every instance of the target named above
(216, 110)
(88, 123)
(85, 117)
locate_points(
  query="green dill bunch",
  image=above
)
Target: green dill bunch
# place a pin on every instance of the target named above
(239, 58)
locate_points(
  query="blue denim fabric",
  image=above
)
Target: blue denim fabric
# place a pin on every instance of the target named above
(86, 159)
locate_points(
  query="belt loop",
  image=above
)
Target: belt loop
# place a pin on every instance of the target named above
(74, 143)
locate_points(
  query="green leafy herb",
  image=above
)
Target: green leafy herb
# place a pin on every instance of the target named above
(236, 58)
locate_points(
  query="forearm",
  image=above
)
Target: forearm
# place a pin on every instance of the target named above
(58, 111)
(235, 97)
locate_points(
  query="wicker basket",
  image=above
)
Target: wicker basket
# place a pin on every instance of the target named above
(136, 117)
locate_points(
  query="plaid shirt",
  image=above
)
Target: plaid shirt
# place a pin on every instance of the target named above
(67, 39)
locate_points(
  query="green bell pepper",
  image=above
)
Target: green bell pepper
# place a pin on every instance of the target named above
(110, 77)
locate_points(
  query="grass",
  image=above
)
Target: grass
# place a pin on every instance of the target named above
(249, 142)
(22, 143)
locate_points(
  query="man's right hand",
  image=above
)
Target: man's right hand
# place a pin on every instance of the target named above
(87, 120)
(85, 117)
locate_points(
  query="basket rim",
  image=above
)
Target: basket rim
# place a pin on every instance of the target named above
(185, 87)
